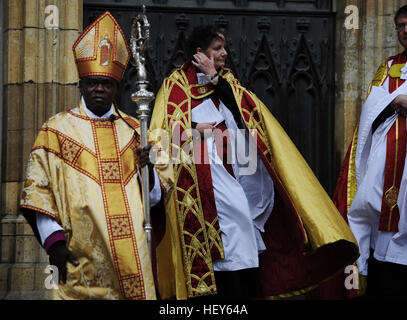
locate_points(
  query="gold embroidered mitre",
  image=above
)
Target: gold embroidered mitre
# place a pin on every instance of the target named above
(102, 49)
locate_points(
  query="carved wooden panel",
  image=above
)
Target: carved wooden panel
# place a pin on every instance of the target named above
(281, 50)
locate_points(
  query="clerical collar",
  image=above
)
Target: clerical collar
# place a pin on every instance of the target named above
(91, 115)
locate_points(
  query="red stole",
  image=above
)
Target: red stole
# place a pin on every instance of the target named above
(395, 159)
(203, 172)
(198, 223)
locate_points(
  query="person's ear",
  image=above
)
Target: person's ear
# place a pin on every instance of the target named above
(199, 50)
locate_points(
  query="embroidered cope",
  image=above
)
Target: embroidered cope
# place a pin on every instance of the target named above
(82, 172)
(306, 240)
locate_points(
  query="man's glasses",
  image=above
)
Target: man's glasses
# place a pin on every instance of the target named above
(94, 83)
(400, 26)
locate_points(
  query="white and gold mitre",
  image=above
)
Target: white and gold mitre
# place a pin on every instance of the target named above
(102, 49)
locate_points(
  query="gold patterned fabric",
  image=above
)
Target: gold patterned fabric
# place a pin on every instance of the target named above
(102, 50)
(320, 235)
(348, 174)
(83, 173)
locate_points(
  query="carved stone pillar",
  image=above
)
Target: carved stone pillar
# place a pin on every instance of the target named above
(40, 79)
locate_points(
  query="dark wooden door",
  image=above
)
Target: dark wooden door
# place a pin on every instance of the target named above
(282, 50)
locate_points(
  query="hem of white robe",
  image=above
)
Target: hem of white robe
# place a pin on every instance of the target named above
(227, 265)
(390, 258)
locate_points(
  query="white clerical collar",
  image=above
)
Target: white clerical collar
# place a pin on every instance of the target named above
(91, 115)
(203, 78)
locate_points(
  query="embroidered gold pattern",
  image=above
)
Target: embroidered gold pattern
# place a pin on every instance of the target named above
(188, 201)
(202, 90)
(120, 226)
(131, 287)
(110, 170)
(69, 150)
(379, 76)
(117, 211)
(391, 196)
(103, 161)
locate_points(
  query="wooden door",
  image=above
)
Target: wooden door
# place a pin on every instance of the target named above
(282, 50)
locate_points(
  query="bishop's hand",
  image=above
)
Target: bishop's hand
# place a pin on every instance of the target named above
(143, 157)
(59, 255)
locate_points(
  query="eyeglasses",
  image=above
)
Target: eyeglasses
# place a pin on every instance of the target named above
(94, 83)
(400, 26)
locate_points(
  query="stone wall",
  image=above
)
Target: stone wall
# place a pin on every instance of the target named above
(39, 77)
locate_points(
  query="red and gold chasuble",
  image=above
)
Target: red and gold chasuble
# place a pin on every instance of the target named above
(83, 173)
(306, 238)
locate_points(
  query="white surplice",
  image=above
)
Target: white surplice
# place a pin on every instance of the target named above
(243, 203)
(364, 213)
